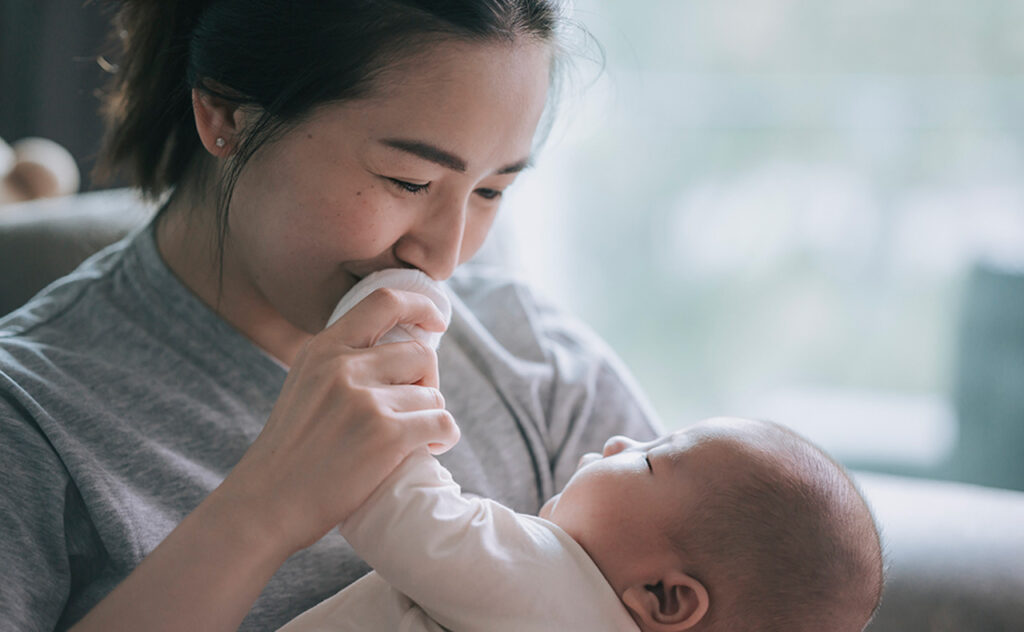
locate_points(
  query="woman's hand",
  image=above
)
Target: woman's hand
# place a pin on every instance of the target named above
(348, 414)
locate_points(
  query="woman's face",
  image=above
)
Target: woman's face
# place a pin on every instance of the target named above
(411, 176)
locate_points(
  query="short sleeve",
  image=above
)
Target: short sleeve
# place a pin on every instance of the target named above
(33, 552)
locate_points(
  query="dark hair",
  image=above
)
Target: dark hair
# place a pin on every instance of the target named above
(788, 544)
(282, 58)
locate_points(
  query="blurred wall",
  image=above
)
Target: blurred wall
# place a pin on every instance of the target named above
(49, 77)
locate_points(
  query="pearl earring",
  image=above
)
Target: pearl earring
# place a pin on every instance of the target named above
(220, 142)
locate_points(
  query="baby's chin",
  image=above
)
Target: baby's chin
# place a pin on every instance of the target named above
(585, 460)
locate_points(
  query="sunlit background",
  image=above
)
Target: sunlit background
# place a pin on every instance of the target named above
(779, 208)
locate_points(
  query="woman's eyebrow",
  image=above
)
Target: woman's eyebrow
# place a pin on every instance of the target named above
(444, 158)
(516, 167)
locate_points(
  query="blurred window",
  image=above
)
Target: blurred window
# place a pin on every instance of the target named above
(770, 207)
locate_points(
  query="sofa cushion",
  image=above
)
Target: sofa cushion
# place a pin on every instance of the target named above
(44, 239)
(955, 555)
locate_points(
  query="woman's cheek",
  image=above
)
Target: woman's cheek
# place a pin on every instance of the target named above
(366, 225)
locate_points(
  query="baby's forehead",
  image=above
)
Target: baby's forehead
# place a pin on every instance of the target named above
(731, 442)
(726, 432)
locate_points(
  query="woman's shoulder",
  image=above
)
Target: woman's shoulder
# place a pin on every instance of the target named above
(496, 305)
(67, 334)
(483, 285)
(525, 321)
(63, 296)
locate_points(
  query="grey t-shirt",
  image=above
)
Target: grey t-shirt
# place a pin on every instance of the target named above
(125, 400)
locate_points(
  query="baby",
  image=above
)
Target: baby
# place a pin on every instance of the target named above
(730, 524)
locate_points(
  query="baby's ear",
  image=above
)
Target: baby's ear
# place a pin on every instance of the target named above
(677, 602)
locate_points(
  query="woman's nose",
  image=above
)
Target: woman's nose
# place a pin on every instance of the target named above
(435, 244)
(617, 444)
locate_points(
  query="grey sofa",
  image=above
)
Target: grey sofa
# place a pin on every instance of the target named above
(955, 552)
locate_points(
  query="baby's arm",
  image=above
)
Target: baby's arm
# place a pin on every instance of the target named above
(474, 564)
(471, 563)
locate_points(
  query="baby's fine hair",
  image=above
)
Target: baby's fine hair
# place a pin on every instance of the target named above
(787, 544)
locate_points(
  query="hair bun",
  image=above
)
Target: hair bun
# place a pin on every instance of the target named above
(148, 96)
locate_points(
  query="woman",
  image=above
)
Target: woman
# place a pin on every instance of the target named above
(179, 433)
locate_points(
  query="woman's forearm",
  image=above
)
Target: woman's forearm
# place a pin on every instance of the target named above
(204, 576)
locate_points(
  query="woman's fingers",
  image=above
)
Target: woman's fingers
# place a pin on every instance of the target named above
(410, 362)
(434, 428)
(348, 411)
(410, 398)
(380, 312)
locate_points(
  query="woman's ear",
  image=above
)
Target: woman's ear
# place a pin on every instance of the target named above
(218, 122)
(677, 602)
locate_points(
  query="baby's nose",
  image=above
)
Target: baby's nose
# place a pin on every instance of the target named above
(616, 444)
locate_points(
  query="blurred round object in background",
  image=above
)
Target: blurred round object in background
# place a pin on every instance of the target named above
(40, 168)
(6, 157)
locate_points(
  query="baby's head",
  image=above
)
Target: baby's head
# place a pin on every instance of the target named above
(729, 524)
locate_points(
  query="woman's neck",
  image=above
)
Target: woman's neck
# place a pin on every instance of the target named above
(186, 238)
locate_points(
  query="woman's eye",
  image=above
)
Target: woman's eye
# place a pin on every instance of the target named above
(409, 187)
(488, 194)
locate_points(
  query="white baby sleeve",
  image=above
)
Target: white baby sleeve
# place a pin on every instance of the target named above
(473, 564)
(367, 605)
